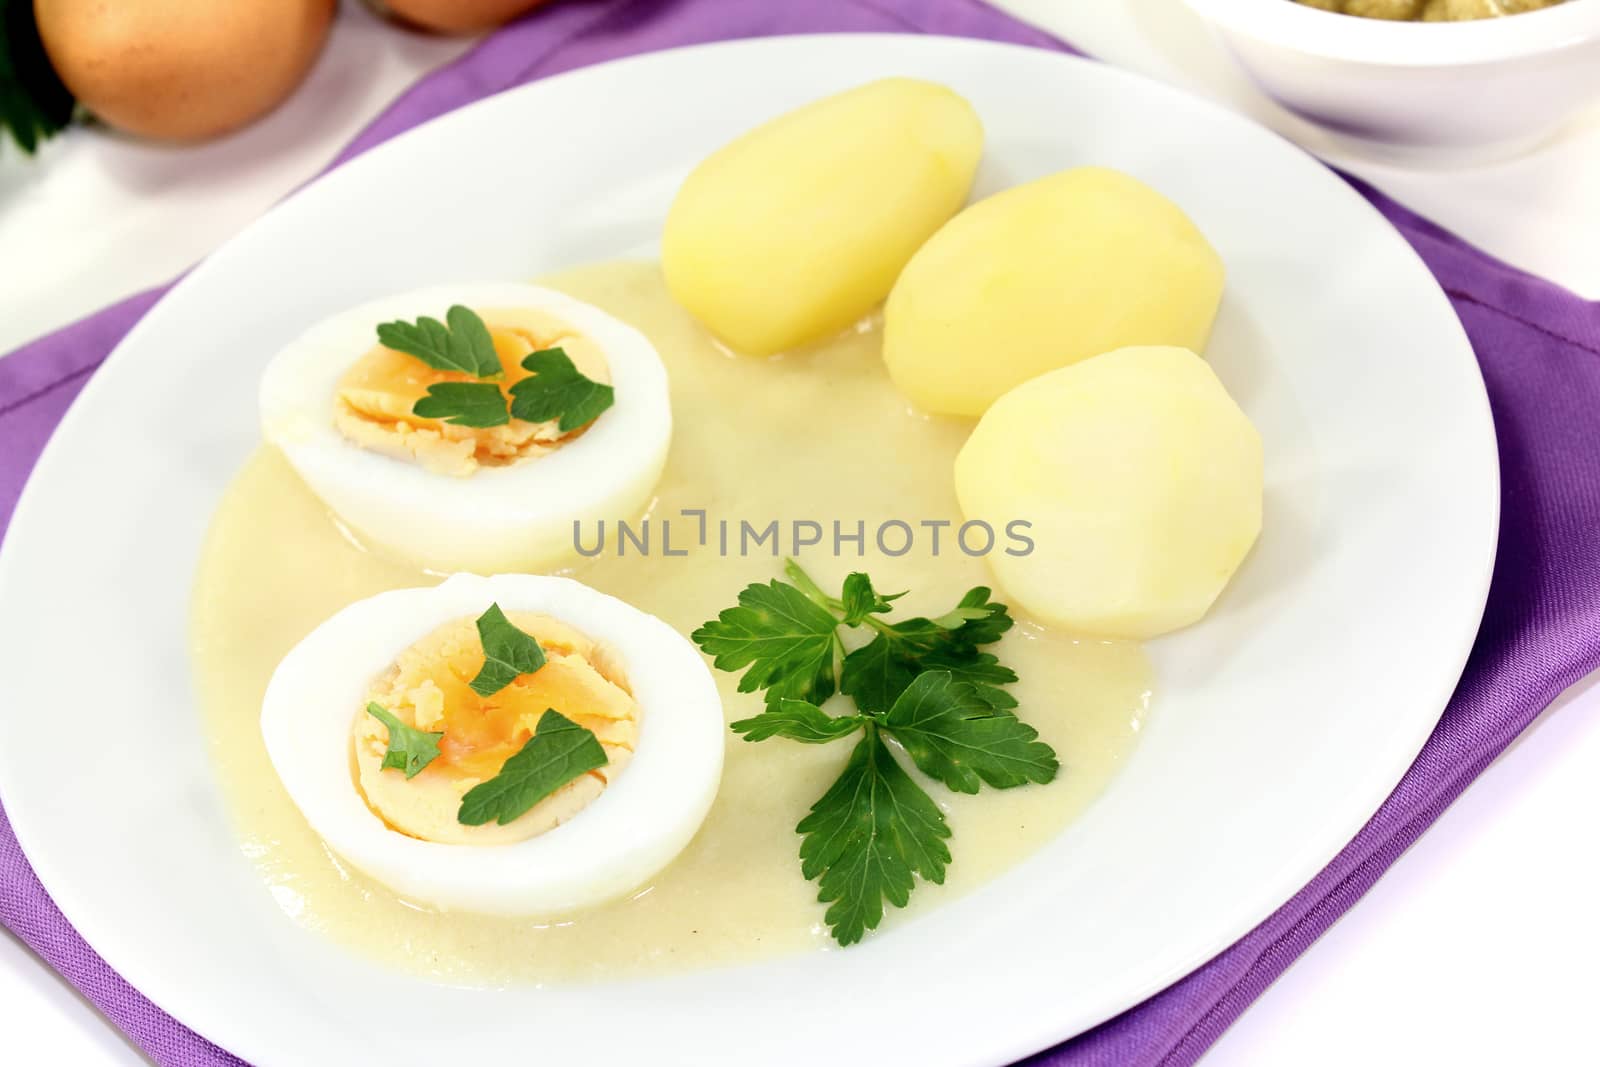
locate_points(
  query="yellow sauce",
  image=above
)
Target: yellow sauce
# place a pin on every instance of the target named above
(818, 435)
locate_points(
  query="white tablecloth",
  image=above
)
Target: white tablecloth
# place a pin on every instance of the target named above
(1475, 947)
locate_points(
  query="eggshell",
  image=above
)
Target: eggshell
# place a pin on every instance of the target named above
(182, 70)
(459, 16)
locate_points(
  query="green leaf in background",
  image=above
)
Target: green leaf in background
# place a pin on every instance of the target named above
(34, 105)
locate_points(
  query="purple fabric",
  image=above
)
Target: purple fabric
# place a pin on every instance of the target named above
(1539, 347)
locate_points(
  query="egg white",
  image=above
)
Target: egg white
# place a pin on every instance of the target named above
(612, 846)
(507, 518)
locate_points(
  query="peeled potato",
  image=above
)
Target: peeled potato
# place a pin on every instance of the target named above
(798, 228)
(1141, 479)
(1041, 276)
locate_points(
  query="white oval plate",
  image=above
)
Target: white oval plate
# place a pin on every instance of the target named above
(1281, 724)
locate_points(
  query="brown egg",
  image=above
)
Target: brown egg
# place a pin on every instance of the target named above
(182, 69)
(458, 16)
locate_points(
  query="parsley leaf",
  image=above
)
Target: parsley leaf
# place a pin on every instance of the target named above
(878, 672)
(464, 345)
(953, 734)
(977, 620)
(798, 721)
(871, 832)
(34, 104)
(788, 641)
(983, 671)
(558, 390)
(507, 652)
(476, 404)
(861, 600)
(559, 751)
(409, 749)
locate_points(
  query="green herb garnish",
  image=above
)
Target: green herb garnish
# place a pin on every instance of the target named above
(34, 104)
(788, 640)
(860, 600)
(507, 652)
(464, 345)
(865, 839)
(787, 634)
(477, 404)
(952, 733)
(879, 671)
(559, 751)
(798, 721)
(409, 749)
(924, 682)
(558, 390)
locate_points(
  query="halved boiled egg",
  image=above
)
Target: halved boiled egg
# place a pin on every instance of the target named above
(633, 681)
(457, 497)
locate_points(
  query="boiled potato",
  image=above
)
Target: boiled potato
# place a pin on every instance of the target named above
(1041, 276)
(1141, 479)
(798, 228)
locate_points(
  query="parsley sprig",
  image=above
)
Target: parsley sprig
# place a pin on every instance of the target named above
(870, 833)
(784, 637)
(555, 389)
(507, 653)
(464, 345)
(409, 749)
(559, 751)
(476, 404)
(558, 390)
(927, 683)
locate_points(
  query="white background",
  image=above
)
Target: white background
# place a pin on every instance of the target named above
(1471, 950)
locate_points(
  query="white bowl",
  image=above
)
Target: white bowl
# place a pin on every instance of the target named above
(1482, 88)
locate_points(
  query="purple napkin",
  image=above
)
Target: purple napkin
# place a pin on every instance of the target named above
(1539, 347)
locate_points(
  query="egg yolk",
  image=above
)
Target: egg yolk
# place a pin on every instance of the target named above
(427, 687)
(373, 401)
